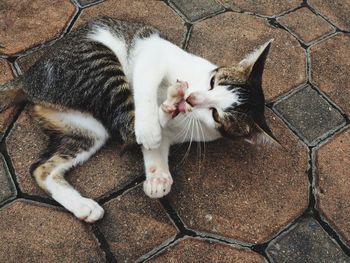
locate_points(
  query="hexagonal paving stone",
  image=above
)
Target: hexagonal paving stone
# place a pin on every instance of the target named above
(195, 250)
(88, 2)
(196, 9)
(306, 242)
(310, 114)
(135, 224)
(262, 7)
(330, 67)
(337, 11)
(33, 232)
(155, 13)
(23, 26)
(6, 117)
(7, 187)
(106, 171)
(332, 171)
(240, 34)
(306, 25)
(241, 191)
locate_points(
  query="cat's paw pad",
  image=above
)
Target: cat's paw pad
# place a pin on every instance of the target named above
(88, 210)
(148, 133)
(157, 185)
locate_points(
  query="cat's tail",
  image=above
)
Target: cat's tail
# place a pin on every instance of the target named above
(11, 93)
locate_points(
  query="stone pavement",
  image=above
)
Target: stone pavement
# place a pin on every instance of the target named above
(241, 204)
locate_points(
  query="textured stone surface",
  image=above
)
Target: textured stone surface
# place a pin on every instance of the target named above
(262, 7)
(306, 242)
(239, 185)
(306, 25)
(337, 11)
(7, 187)
(19, 23)
(6, 117)
(155, 13)
(194, 10)
(88, 2)
(240, 34)
(330, 67)
(309, 114)
(332, 171)
(134, 224)
(106, 171)
(37, 233)
(194, 250)
(27, 61)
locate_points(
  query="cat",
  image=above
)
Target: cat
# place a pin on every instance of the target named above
(110, 78)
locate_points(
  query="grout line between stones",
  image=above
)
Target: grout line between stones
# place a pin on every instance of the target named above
(103, 243)
(317, 215)
(317, 12)
(115, 193)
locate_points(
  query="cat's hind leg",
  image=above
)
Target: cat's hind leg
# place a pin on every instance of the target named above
(73, 138)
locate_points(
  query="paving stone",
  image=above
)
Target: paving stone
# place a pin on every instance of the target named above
(134, 224)
(25, 62)
(195, 250)
(33, 232)
(155, 13)
(306, 242)
(310, 114)
(6, 117)
(87, 2)
(242, 191)
(330, 67)
(24, 26)
(306, 25)
(7, 187)
(332, 171)
(239, 35)
(106, 171)
(262, 7)
(337, 11)
(197, 9)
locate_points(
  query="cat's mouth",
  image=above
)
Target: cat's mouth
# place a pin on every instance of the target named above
(180, 107)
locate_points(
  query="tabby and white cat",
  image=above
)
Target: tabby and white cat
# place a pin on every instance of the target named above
(108, 79)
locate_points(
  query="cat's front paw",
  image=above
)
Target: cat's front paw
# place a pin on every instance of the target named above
(148, 133)
(157, 184)
(87, 210)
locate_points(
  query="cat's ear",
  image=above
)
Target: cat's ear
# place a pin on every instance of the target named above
(263, 135)
(253, 64)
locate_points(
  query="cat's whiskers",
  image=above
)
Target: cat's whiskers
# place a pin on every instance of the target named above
(191, 121)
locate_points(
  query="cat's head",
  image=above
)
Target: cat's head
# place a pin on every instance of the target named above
(233, 100)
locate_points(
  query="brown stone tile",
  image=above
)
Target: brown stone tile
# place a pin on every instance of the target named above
(262, 7)
(25, 25)
(337, 11)
(197, 9)
(31, 232)
(6, 117)
(332, 171)
(306, 25)
(239, 34)
(155, 13)
(7, 187)
(27, 61)
(241, 191)
(134, 224)
(106, 171)
(195, 250)
(330, 67)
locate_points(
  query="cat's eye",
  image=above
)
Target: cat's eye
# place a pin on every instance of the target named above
(215, 114)
(212, 82)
